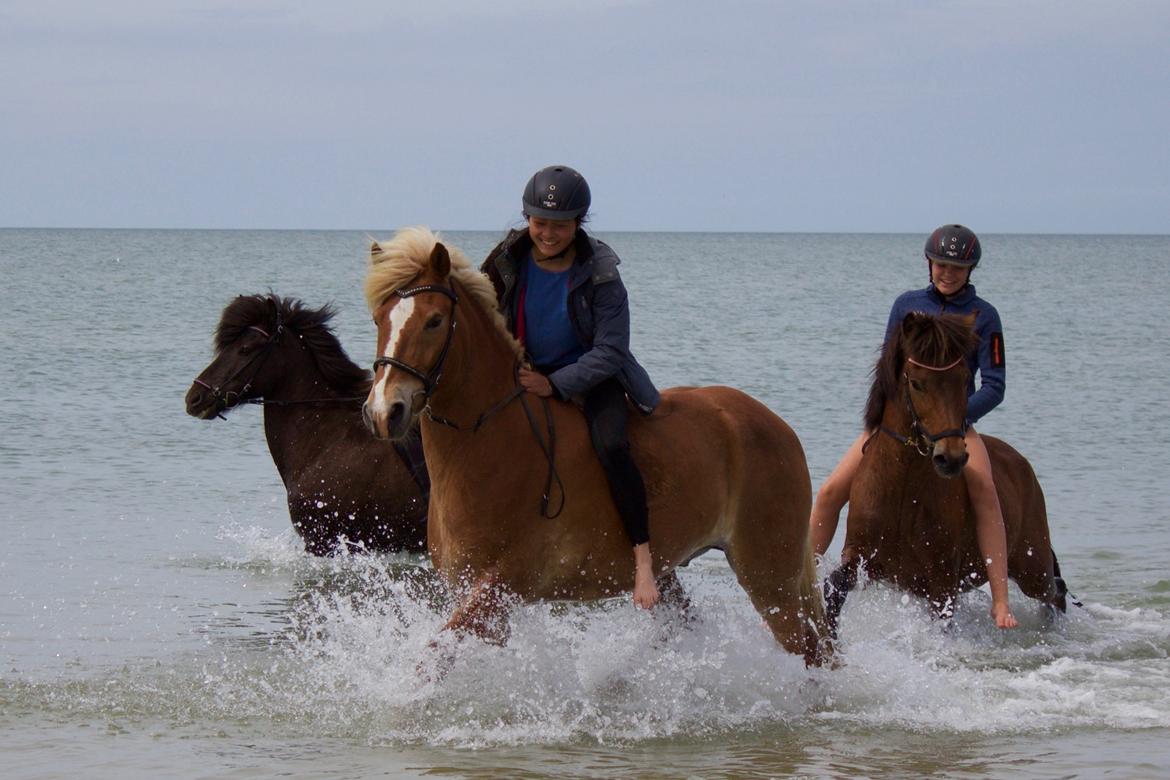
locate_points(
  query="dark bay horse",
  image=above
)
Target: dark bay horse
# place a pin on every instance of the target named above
(521, 507)
(341, 482)
(910, 520)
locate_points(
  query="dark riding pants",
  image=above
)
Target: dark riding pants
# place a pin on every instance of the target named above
(608, 415)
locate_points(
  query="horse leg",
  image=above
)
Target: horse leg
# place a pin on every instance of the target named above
(944, 610)
(779, 578)
(837, 586)
(1038, 577)
(483, 612)
(674, 608)
(674, 596)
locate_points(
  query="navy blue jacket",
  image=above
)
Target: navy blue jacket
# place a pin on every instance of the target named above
(988, 360)
(599, 309)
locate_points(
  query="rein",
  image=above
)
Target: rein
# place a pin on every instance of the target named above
(431, 379)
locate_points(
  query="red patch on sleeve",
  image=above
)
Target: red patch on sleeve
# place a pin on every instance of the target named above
(997, 356)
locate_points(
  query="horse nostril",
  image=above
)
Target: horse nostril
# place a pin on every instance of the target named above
(948, 464)
(397, 410)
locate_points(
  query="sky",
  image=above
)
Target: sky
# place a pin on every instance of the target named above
(1010, 116)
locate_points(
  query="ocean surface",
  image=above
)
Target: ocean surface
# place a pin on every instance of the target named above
(159, 618)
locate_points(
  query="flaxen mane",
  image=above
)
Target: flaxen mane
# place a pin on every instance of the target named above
(311, 326)
(935, 341)
(395, 263)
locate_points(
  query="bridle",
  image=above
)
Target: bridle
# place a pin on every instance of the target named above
(226, 399)
(920, 436)
(431, 378)
(430, 381)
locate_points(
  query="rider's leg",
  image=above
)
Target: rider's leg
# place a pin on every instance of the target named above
(989, 526)
(834, 494)
(607, 412)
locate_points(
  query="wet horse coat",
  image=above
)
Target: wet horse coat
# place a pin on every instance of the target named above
(721, 470)
(910, 520)
(341, 483)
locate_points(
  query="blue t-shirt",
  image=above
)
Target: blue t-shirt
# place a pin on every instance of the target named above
(548, 333)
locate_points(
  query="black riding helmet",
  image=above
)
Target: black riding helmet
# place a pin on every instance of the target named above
(556, 192)
(954, 245)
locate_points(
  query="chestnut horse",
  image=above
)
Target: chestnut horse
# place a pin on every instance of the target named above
(520, 506)
(909, 519)
(340, 481)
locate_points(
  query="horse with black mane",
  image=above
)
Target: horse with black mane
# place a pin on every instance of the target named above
(342, 483)
(722, 470)
(910, 521)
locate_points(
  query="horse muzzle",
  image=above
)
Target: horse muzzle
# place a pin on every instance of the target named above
(388, 419)
(948, 461)
(201, 402)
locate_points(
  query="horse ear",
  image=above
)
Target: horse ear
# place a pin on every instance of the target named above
(440, 260)
(375, 249)
(912, 322)
(970, 319)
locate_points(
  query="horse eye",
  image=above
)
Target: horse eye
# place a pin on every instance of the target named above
(918, 385)
(434, 322)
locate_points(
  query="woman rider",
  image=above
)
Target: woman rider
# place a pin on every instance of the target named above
(952, 252)
(564, 301)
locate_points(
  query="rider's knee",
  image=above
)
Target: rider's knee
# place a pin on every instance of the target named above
(833, 493)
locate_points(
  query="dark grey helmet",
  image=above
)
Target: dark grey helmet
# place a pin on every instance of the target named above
(954, 244)
(556, 192)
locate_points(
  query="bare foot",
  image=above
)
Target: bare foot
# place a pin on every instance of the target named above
(1003, 616)
(645, 588)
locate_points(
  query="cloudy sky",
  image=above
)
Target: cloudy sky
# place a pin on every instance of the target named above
(778, 115)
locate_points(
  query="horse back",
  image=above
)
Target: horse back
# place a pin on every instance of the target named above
(708, 449)
(719, 429)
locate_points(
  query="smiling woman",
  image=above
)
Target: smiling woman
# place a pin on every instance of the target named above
(564, 300)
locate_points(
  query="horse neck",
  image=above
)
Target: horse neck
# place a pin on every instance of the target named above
(287, 427)
(480, 370)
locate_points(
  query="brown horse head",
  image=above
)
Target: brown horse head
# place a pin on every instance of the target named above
(920, 386)
(413, 291)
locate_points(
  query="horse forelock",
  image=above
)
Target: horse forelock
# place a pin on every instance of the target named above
(245, 311)
(939, 341)
(310, 325)
(394, 264)
(934, 341)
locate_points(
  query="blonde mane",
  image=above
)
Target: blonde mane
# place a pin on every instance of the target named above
(395, 263)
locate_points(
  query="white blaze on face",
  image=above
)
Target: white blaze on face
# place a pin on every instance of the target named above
(396, 319)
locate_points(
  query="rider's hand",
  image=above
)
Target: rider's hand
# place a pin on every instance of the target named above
(535, 383)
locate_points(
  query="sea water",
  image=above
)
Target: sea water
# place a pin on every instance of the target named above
(158, 616)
